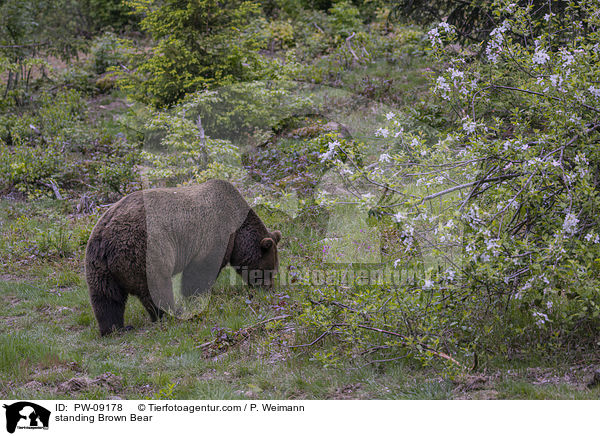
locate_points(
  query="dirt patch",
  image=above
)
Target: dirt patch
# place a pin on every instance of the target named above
(34, 385)
(594, 380)
(475, 387)
(109, 381)
(9, 321)
(52, 311)
(482, 386)
(578, 376)
(484, 394)
(11, 300)
(213, 374)
(347, 392)
(12, 195)
(11, 278)
(60, 290)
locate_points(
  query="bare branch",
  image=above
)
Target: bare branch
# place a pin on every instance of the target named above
(323, 335)
(466, 185)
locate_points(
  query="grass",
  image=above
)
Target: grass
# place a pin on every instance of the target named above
(49, 337)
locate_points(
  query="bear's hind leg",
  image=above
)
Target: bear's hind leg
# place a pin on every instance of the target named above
(108, 301)
(109, 312)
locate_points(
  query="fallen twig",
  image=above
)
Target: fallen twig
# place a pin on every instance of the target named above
(246, 330)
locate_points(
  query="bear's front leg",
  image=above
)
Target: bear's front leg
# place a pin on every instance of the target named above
(160, 286)
(200, 275)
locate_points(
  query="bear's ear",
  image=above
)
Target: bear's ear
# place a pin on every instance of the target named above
(266, 243)
(276, 236)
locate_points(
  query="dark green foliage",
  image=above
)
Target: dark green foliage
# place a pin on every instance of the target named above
(107, 51)
(475, 19)
(199, 44)
(34, 31)
(108, 14)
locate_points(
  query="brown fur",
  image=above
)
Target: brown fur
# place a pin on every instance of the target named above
(149, 236)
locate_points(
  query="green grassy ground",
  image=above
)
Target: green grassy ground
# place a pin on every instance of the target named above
(50, 346)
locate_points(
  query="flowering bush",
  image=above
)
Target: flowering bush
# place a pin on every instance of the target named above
(502, 207)
(526, 137)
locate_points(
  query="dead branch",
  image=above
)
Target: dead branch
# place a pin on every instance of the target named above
(52, 185)
(356, 58)
(247, 330)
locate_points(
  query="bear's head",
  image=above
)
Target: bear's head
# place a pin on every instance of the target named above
(262, 273)
(256, 260)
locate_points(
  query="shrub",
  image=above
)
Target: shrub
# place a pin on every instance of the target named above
(107, 51)
(503, 209)
(200, 44)
(238, 111)
(52, 148)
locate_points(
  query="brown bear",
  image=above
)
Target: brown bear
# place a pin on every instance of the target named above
(149, 236)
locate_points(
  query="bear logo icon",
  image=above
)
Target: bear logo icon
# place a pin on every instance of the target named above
(28, 415)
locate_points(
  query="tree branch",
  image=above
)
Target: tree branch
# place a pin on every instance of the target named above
(466, 185)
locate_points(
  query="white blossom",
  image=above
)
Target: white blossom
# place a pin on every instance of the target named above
(556, 80)
(570, 224)
(540, 56)
(384, 158)
(492, 243)
(595, 91)
(442, 86)
(469, 126)
(346, 170)
(434, 37)
(456, 74)
(542, 318)
(382, 132)
(494, 46)
(591, 236)
(447, 28)
(390, 115)
(331, 152)
(567, 57)
(450, 274)
(399, 217)
(581, 159)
